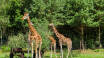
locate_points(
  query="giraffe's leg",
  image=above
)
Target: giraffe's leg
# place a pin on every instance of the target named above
(29, 43)
(32, 50)
(69, 47)
(28, 51)
(61, 50)
(51, 51)
(36, 55)
(55, 50)
(40, 50)
(68, 51)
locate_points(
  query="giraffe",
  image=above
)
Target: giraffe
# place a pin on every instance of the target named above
(34, 36)
(62, 40)
(53, 44)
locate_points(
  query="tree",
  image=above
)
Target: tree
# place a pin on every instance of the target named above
(80, 13)
(98, 4)
(4, 21)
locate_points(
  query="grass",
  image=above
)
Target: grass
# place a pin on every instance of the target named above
(89, 54)
(77, 54)
(98, 53)
(3, 54)
(48, 53)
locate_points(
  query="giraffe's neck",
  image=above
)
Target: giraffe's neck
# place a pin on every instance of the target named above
(32, 29)
(55, 31)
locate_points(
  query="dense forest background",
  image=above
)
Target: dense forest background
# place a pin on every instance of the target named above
(80, 20)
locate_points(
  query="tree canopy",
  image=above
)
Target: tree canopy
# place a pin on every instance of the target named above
(69, 16)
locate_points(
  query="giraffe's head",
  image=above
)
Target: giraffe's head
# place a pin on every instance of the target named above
(26, 16)
(51, 24)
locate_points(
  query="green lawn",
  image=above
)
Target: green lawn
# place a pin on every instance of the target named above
(75, 54)
(4, 54)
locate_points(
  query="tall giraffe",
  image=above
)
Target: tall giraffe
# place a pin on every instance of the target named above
(62, 40)
(53, 44)
(34, 36)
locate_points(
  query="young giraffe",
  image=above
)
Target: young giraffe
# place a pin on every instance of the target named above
(53, 44)
(34, 36)
(62, 40)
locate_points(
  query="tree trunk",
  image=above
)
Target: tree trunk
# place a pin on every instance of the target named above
(1, 37)
(80, 45)
(86, 38)
(82, 38)
(100, 46)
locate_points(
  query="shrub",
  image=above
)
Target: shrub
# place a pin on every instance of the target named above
(17, 41)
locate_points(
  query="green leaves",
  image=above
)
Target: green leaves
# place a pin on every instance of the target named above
(17, 41)
(83, 12)
(42, 28)
(17, 3)
(4, 19)
(89, 13)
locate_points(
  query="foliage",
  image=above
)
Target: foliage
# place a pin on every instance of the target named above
(42, 28)
(17, 41)
(3, 10)
(4, 19)
(69, 14)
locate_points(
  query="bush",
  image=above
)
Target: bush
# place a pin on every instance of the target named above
(17, 41)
